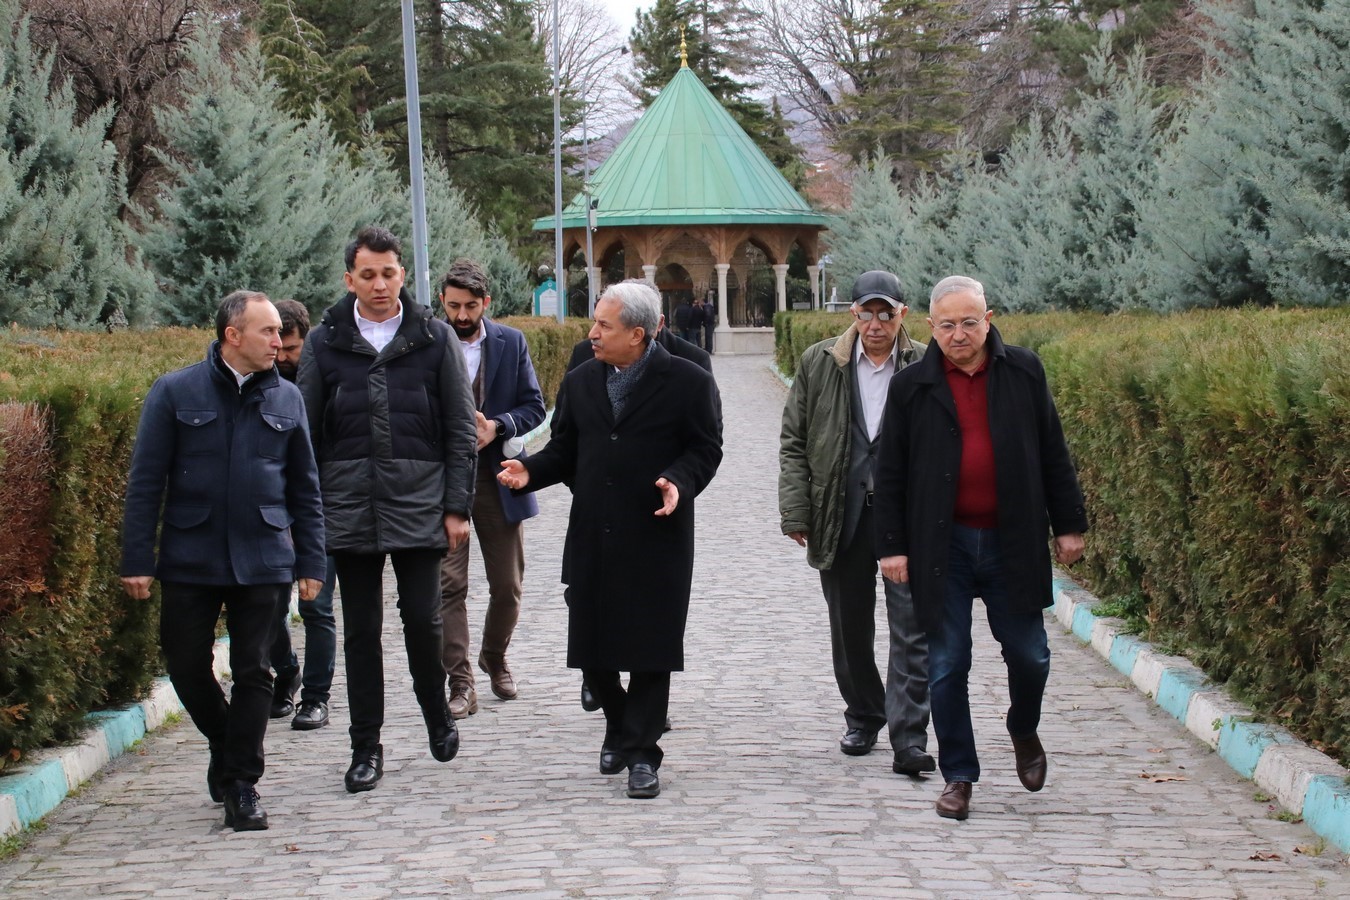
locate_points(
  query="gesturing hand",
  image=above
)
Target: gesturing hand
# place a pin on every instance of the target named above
(513, 475)
(670, 496)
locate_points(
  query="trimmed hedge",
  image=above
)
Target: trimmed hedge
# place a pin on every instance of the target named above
(1213, 452)
(551, 346)
(71, 641)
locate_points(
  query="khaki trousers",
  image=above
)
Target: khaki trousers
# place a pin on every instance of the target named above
(503, 547)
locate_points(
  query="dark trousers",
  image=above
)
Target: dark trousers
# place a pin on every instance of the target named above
(418, 573)
(850, 588)
(502, 544)
(636, 718)
(187, 634)
(975, 569)
(320, 643)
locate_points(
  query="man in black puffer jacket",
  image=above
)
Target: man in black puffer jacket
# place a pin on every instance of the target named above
(392, 418)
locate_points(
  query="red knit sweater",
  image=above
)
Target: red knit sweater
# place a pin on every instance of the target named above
(976, 486)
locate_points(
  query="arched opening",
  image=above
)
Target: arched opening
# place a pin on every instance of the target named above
(613, 265)
(675, 284)
(754, 305)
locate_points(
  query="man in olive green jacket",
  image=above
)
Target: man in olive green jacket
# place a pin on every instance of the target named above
(831, 431)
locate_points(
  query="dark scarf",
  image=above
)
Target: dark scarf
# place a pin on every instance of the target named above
(620, 382)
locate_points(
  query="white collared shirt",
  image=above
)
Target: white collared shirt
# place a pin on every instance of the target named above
(378, 333)
(473, 351)
(873, 382)
(238, 378)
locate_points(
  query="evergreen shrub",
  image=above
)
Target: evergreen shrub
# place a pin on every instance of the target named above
(551, 346)
(72, 641)
(1211, 447)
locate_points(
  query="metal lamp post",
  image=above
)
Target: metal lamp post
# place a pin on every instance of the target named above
(559, 273)
(416, 176)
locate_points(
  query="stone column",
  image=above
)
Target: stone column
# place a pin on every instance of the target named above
(723, 311)
(649, 273)
(780, 285)
(813, 275)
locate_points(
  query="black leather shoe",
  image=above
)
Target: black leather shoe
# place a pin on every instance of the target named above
(858, 742)
(667, 726)
(610, 761)
(213, 786)
(444, 739)
(643, 783)
(912, 761)
(589, 701)
(366, 770)
(284, 687)
(312, 714)
(243, 810)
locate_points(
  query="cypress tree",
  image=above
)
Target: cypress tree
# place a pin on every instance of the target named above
(63, 250)
(1253, 206)
(256, 199)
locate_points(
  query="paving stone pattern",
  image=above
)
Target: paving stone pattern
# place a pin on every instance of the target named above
(757, 799)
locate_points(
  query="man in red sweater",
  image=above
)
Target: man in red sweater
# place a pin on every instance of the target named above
(973, 477)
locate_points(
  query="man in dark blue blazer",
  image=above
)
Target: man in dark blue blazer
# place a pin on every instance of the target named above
(224, 446)
(508, 406)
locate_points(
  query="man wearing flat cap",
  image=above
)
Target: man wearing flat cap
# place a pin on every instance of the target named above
(827, 454)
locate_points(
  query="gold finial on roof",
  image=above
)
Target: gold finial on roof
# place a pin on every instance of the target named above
(684, 51)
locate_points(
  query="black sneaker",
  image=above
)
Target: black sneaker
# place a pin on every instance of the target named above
(312, 714)
(243, 810)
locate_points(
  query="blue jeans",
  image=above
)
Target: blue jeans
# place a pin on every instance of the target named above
(320, 643)
(975, 569)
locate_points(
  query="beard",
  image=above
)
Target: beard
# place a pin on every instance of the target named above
(464, 332)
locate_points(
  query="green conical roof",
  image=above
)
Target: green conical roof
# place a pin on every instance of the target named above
(687, 162)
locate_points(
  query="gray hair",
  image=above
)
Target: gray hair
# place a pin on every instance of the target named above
(639, 304)
(953, 284)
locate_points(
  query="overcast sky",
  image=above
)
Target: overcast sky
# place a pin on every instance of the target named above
(623, 13)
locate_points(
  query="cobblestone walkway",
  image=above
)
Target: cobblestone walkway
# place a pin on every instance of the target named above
(757, 799)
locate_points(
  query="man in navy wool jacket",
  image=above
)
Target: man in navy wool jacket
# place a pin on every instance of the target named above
(224, 445)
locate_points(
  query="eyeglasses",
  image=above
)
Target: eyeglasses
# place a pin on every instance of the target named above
(865, 315)
(964, 325)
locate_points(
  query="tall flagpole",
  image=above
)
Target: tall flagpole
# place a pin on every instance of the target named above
(421, 279)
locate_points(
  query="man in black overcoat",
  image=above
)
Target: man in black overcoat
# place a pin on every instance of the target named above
(636, 436)
(973, 478)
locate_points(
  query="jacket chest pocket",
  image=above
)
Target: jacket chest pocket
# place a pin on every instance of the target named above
(275, 434)
(199, 432)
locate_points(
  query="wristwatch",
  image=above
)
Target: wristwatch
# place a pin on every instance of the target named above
(499, 425)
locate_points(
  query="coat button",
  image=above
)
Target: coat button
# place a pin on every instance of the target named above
(197, 421)
(937, 573)
(613, 437)
(947, 477)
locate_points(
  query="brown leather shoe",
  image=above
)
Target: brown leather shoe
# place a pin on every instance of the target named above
(503, 685)
(955, 801)
(1030, 761)
(463, 701)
